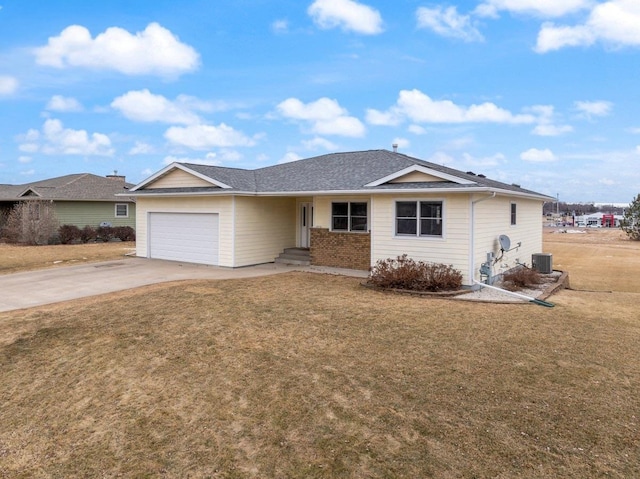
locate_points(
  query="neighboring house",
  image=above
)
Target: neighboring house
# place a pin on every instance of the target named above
(349, 209)
(80, 199)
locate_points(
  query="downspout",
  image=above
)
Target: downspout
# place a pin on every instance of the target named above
(472, 236)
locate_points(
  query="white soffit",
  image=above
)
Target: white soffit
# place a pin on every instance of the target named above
(421, 169)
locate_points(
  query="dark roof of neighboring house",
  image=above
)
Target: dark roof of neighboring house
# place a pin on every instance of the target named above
(76, 187)
(334, 172)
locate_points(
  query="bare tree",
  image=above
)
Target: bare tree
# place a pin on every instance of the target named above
(31, 222)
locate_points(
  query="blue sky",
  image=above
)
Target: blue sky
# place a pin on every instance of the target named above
(543, 93)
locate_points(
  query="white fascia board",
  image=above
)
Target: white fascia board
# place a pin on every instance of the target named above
(421, 169)
(414, 191)
(178, 166)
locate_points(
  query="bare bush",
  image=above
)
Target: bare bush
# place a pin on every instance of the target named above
(406, 273)
(31, 222)
(521, 277)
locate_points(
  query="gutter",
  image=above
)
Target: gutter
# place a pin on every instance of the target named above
(413, 191)
(472, 235)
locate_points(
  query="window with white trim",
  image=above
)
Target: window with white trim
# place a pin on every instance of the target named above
(349, 216)
(419, 218)
(122, 210)
(513, 214)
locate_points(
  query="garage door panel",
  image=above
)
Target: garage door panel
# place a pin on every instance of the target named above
(188, 237)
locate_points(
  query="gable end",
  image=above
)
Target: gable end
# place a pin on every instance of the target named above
(420, 174)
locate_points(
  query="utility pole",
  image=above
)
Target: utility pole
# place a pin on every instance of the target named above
(558, 204)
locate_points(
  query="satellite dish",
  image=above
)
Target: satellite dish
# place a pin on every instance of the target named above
(505, 242)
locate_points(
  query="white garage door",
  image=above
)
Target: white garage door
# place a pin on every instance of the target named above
(188, 237)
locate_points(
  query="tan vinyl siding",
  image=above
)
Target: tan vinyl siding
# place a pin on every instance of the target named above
(451, 249)
(222, 206)
(416, 177)
(493, 218)
(263, 228)
(178, 179)
(92, 213)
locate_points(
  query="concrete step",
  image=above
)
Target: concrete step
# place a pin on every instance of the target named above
(297, 256)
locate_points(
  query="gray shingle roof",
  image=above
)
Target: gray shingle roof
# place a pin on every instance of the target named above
(351, 171)
(78, 187)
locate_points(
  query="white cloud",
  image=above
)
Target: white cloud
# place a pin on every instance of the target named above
(154, 51)
(485, 161)
(28, 172)
(589, 109)
(141, 148)
(635, 131)
(8, 85)
(388, 118)
(280, 26)
(346, 14)
(615, 23)
(24, 159)
(289, 157)
(546, 121)
(320, 143)
(448, 23)
(551, 130)
(57, 140)
(538, 156)
(64, 104)
(203, 137)
(420, 108)
(209, 159)
(441, 158)
(417, 130)
(325, 115)
(542, 8)
(144, 106)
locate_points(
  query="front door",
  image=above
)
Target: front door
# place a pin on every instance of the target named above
(306, 218)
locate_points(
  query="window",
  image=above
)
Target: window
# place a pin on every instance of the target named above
(122, 210)
(419, 218)
(349, 216)
(513, 214)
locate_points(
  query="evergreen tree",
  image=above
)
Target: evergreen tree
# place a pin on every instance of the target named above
(630, 223)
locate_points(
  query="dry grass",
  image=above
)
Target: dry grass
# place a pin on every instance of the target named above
(14, 258)
(302, 375)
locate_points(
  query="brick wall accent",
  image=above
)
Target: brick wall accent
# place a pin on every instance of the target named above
(340, 250)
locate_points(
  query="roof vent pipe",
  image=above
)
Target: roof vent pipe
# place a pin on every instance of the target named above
(395, 147)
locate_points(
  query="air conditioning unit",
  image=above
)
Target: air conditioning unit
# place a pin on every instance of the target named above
(542, 262)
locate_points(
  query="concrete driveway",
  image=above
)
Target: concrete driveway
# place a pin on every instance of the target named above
(36, 288)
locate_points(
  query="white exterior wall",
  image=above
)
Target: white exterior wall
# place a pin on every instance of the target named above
(264, 227)
(223, 206)
(451, 249)
(493, 218)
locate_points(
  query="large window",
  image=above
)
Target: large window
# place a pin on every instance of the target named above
(122, 210)
(419, 218)
(349, 216)
(513, 214)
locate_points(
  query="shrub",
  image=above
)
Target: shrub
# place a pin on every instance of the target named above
(69, 233)
(406, 273)
(521, 277)
(124, 233)
(104, 233)
(87, 234)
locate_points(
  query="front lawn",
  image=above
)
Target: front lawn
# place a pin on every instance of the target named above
(14, 258)
(309, 375)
